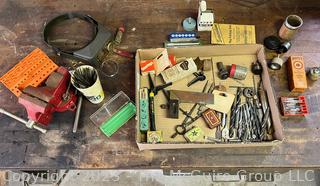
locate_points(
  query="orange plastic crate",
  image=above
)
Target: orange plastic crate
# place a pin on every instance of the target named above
(30, 71)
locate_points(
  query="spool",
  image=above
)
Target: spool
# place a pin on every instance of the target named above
(238, 72)
(290, 26)
(93, 93)
(276, 63)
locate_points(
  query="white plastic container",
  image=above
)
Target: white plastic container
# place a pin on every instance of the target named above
(94, 93)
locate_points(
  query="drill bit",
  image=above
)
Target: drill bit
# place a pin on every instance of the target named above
(266, 127)
(84, 77)
(234, 111)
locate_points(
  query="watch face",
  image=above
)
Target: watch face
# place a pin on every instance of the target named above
(71, 34)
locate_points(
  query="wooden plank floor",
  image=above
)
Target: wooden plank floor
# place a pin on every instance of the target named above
(148, 23)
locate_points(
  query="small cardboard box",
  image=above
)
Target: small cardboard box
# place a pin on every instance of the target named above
(296, 74)
(238, 54)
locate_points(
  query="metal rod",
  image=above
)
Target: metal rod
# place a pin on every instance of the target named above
(76, 118)
(42, 130)
(13, 116)
(22, 120)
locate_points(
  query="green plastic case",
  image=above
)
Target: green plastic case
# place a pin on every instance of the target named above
(114, 113)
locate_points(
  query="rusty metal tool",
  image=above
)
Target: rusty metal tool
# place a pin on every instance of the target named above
(164, 106)
(199, 76)
(248, 92)
(182, 128)
(225, 128)
(255, 97)
(192, 97)
(266, 127)
(234, 125)
(202, 107)
(178, 96)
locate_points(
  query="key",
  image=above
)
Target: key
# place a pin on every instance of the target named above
(199, 77)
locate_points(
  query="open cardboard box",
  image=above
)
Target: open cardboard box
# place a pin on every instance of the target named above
(228, 54)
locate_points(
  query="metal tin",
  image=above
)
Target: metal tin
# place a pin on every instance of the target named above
(290, 26)
(238, 72)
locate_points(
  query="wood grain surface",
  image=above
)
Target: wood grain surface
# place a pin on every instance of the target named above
(147, 23)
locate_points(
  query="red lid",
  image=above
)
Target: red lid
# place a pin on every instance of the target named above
(121, 28)
(232, 70)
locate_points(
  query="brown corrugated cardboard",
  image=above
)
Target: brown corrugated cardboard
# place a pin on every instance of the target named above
(238, 54)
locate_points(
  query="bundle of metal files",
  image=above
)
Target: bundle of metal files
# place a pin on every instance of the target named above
(84, 77)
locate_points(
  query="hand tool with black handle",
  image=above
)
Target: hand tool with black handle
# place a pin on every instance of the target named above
(153, 91)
